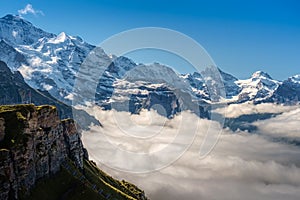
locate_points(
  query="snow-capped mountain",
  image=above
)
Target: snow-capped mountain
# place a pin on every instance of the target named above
(53, 63)
(17, 31)
(295, 79)
(288, 92)
(199, 85)
(50, 62)
(258, 87)
(144, 87)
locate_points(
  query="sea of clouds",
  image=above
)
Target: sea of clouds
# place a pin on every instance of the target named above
(241, 165)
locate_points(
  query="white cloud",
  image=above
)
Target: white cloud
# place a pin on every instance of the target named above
(241, 166)
(30, 10)
(236, 110)
(285, 126)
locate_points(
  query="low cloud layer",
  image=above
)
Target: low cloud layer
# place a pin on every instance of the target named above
(241, 166)
(236, 110)
(285, 125)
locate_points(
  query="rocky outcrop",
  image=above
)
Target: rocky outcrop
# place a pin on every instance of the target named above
(34, 143)
(75, 149)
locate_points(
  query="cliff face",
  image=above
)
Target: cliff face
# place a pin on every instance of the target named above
(34, 143)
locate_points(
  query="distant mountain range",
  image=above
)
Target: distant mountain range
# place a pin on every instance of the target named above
(49, 63)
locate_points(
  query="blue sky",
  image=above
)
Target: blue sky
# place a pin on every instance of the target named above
(241, 36)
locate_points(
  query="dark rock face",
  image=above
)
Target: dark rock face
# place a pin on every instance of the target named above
(163, 100)
(288, 93)
(14, 90)
(36, 149)
(231, 88)
(75, 150)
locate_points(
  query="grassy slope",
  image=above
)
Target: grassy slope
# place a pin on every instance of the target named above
(61, 186)
(123, 188)
(72, 184)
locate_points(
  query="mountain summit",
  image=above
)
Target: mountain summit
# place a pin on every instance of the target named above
(50, 61)
(261, 74)
(17, 31)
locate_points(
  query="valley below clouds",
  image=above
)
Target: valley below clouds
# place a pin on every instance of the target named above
(242, 165)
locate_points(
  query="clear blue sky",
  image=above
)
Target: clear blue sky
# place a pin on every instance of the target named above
(241, 36)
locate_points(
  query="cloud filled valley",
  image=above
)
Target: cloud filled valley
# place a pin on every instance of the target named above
(242, 165)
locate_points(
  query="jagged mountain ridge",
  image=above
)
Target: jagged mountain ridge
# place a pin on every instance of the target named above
(288, 92)
(259, 87)
(50, 62)
(18, 31)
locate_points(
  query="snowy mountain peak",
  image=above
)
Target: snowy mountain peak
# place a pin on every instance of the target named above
(295, 79)
(197, 75)
(61, 38)
(62, 35)
(47, 61)
(260, 74)
(17, 31)
(11, 17)
(120, 66)
(258, 88)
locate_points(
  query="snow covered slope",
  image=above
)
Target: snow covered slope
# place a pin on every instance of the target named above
(46, 61)
(258, 87)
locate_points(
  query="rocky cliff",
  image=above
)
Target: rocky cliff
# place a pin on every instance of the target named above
(36, 145)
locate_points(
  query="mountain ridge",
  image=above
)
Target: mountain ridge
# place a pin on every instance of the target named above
(51, 63)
